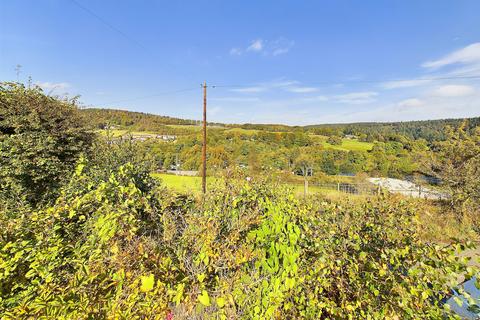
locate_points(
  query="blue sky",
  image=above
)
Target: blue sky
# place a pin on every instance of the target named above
(293, 62)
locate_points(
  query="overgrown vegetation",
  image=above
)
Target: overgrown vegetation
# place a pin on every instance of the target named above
(125, 247)
(41, 139)
(456, 162)
(106, 241)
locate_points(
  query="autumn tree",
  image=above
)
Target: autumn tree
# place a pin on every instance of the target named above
(456, 162)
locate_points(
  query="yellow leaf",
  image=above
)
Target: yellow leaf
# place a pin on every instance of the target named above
(204, 298)
(220, 302)
(147, 283)
(201, 277)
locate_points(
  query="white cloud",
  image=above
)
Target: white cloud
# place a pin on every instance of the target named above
(453, 91)
(281, 46)
(410, 103)
(235, 52)
(53, 86)
(261, 87)
(467, 55)
(280, 51)
(395, 84)
(356, 97)
(257, 45)
(265, 47)
(301, 89)
(255, 89)
(316, 99)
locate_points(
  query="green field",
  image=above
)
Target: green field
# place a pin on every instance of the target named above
(183, 184)
(185, 126)
(186, 184)
(350, 145)
(242, 131)
(123, 132)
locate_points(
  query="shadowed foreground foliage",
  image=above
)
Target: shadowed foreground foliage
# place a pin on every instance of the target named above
(125, 247)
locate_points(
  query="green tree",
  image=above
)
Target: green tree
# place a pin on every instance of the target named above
(304, 165)
(41, 138)
(456, 162)
(334, 140)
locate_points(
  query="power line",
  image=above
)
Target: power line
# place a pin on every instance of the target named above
(151, 96)
(105, 22)
(361, 81)
(311, 84)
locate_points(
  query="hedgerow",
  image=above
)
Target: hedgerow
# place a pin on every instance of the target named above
(127, 248)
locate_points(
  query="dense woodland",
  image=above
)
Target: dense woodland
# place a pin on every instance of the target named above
(89, 233)
(430, 130)
(267, 148)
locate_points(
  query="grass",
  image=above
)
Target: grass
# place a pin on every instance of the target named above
(122, 132)
(182, 184)
(185, 126)
(187, 184)
(349, 145)
(242, 131)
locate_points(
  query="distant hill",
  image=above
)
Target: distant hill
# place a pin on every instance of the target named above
(138, 121)
(430, 130)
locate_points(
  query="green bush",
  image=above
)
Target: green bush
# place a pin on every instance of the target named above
(41, 139)
(126, 248)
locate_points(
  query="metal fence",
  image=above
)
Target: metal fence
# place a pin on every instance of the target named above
(350, 188)
(372, 189)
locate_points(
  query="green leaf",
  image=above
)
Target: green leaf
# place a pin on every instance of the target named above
(204, 298)
(147, 283)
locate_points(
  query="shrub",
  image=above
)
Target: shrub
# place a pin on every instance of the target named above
(125, 247)
(41, 138)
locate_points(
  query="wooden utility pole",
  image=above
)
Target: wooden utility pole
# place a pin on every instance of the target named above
(204, 148)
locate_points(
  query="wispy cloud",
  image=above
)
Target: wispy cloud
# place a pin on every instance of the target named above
(467, 55)
(410, 103)
(296, 89)
(395, 84)
(461, 62)
(356, 97)
(256, 45)
(235, 51)
(255, 89)
(265, 47)
(281, 46)
(453, 90)
(265, 86)
(440, 90)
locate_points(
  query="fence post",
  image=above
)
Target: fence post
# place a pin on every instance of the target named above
(338, 186)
